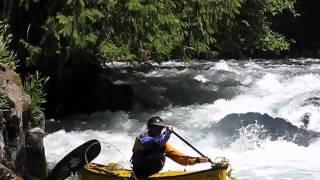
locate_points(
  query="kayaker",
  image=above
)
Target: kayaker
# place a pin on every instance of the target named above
(151, 148)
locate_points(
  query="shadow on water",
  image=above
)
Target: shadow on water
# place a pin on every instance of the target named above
(228, 129)
(99, 121)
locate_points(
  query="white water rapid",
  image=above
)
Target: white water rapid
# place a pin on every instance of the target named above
(196, 97)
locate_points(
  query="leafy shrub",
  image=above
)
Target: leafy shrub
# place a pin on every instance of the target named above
(250, 30)
(112, 53)
(7, 56)
(140, 30)
(34, 86)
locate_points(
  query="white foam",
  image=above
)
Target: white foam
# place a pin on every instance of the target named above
(201, 78)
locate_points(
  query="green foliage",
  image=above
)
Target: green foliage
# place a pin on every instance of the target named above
(141, 30)
(112, 53)
(34, 53)
(201, 23)
(278, 6)
(76, 27)
(7, 56)
(271, 41)
(69, 31)
(197, 28)
(34, 86)
(250, 30)
(146, 26)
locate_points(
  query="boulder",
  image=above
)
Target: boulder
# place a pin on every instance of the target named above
(17, 143)
(85, 87)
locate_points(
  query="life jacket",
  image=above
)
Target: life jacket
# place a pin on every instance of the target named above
(147, 160)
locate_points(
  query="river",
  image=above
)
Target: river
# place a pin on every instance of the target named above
(274, 101)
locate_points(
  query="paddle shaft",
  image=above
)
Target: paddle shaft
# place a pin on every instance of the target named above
(185, 141)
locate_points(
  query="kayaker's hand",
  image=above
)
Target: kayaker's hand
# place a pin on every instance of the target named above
(202, 159)
(169, 128)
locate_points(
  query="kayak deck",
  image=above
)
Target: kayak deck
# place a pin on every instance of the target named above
(113, 171)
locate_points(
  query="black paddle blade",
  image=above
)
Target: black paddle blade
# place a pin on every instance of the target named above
(75, 160)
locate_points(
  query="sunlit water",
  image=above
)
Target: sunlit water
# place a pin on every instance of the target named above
(209, 91)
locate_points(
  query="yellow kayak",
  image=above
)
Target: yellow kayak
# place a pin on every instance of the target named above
(112, 171)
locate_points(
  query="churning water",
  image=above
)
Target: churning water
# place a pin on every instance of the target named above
(264, 116)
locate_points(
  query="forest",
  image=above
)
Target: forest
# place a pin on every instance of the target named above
(62, 46)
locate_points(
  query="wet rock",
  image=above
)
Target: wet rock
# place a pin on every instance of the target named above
(85, 87)
(314, 101)
(15, 116)
(305, 119)
(228, 129)
(35, 154)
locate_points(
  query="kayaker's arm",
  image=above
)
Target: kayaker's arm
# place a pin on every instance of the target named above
(158, 140)
(179, 157)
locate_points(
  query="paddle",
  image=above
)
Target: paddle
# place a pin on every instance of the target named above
(185, 141)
